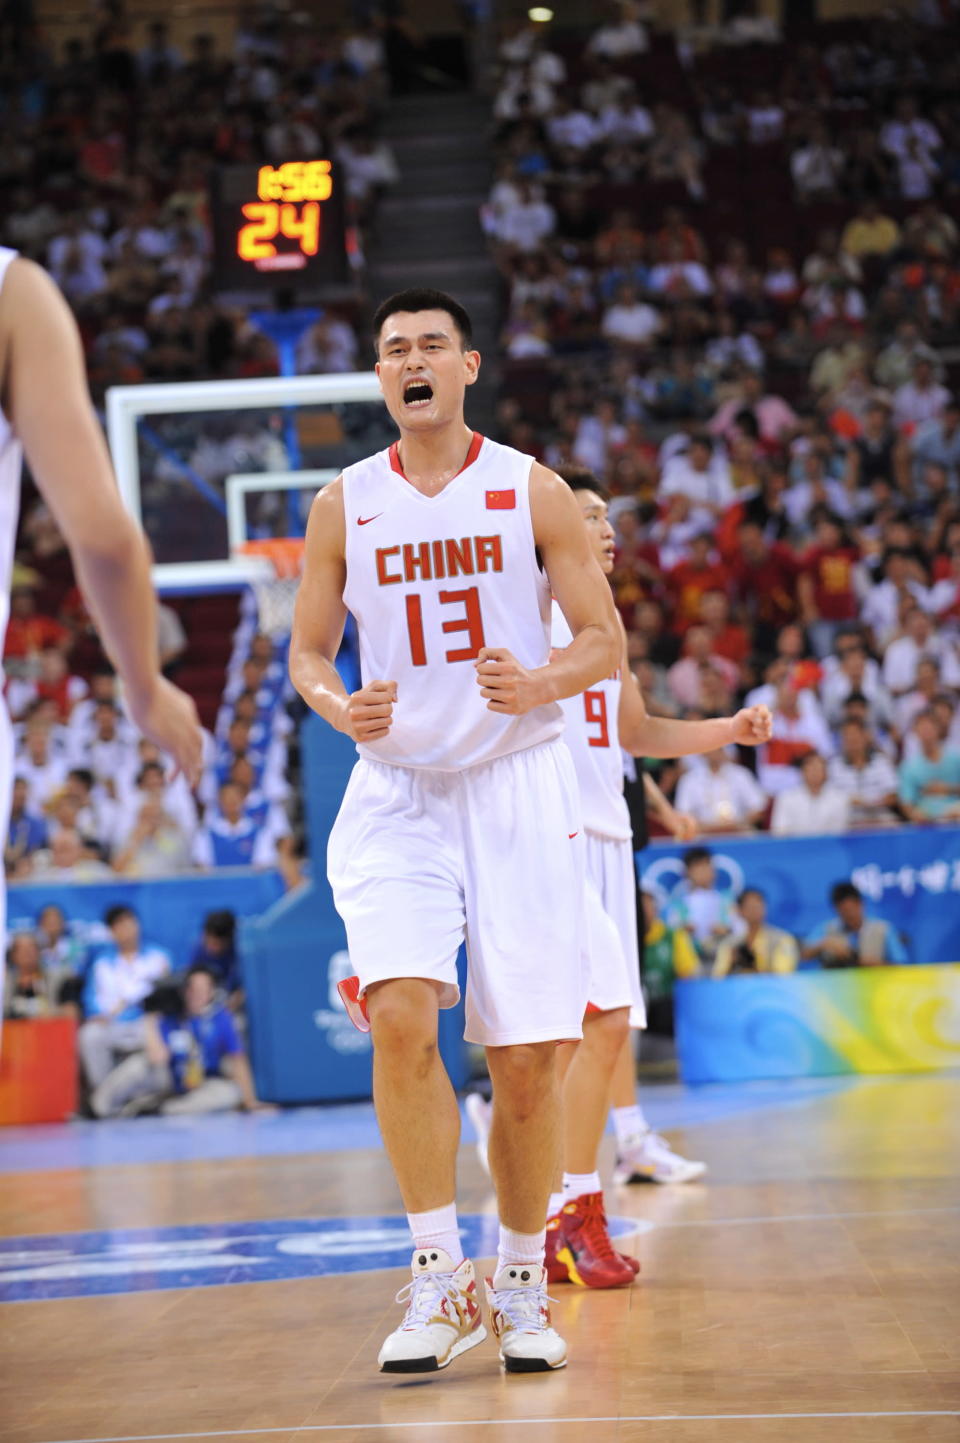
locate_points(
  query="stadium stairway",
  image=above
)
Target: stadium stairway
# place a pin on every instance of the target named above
(209, 621)
(427, 230)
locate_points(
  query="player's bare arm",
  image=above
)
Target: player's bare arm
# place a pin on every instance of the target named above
(318, 622)
(584, 598)
(682, 825)
(44, 395)
(643, 735)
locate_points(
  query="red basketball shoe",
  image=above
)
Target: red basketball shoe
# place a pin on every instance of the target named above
(585, 1249)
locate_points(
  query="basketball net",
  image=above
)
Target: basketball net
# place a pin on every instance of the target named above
(277, 594)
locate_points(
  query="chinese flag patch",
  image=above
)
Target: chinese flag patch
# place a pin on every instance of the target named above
(501, 500)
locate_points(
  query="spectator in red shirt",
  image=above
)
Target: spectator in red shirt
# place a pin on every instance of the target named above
(29, 632)
(51, 682)
(764, 577)
(676, 233)
(689, 580)
(727, 638)
(826, 586)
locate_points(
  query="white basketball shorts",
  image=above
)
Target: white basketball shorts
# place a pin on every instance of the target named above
(422, 860)
(611, 893)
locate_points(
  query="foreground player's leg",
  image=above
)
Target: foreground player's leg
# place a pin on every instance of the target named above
(642, 1155)
(420, 1124)
(524, 1145)
(578, 1239)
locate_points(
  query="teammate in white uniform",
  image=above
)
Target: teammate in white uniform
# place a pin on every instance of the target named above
(462, 818)
(607, 716)
(45, 410)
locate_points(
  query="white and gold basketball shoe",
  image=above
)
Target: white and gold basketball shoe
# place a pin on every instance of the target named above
(442, 1319)
(517, 1297)
(650, 1158)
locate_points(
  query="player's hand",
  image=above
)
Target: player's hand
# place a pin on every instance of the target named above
(752, 726)
(168, 717)
(506, 686)
(368, 713)
(683, 825)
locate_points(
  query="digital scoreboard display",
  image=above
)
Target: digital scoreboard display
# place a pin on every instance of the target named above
(279, 225)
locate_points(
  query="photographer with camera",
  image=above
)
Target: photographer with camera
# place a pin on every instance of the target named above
(851, 939)
(754, 946)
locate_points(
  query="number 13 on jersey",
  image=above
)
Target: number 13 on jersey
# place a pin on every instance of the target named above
(471, 622)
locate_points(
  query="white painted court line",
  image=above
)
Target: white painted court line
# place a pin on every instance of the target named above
(789, 1218)
(507, 1423)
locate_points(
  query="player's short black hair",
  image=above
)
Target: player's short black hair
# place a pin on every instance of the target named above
(581, 478)
(845, 892)
(423, 298)
(752, 892)
(693, 855)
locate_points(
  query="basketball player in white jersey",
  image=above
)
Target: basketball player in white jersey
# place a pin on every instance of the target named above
(609, 715)
(461, 818)
(45, 411)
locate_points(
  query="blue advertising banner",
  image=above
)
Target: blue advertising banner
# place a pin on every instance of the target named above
(171, 909)
(908, 875)
(304, 1046)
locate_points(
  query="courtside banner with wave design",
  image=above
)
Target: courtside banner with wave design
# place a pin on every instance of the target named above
(865, 1019)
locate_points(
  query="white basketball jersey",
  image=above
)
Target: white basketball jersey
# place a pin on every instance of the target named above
(433, 579)
(592, 737)
(11, 455)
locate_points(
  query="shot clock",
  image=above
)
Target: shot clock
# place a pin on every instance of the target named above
(279, 225)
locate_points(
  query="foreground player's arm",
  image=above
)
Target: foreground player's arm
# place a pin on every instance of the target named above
(643, 735)
(44, 395)
(318, 630)
(584, 598)
(682, 825)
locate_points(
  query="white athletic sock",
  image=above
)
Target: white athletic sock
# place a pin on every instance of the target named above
(437, 1229)
(520, 1247)
(629, 1124)
(555, 1204)
(579, 1184)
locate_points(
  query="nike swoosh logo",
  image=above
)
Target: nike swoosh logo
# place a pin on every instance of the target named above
(365, 520)
(571, 835)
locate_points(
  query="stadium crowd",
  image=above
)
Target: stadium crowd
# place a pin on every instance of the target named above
(105, 153)
(761, 387)
(92, 799)
(731, 283)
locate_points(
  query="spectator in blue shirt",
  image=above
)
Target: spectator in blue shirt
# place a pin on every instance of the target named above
(852, 939)
(217, 950)
(930, 781)
(27, 832)
(230, 838)
(192, 1061)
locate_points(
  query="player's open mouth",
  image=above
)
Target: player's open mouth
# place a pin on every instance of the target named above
(417, 394)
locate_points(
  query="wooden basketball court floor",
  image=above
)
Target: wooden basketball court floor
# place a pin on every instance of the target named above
(807, 1292)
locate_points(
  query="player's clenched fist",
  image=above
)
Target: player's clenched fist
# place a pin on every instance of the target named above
(752, 726)
(505, 685)
(369, 711)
